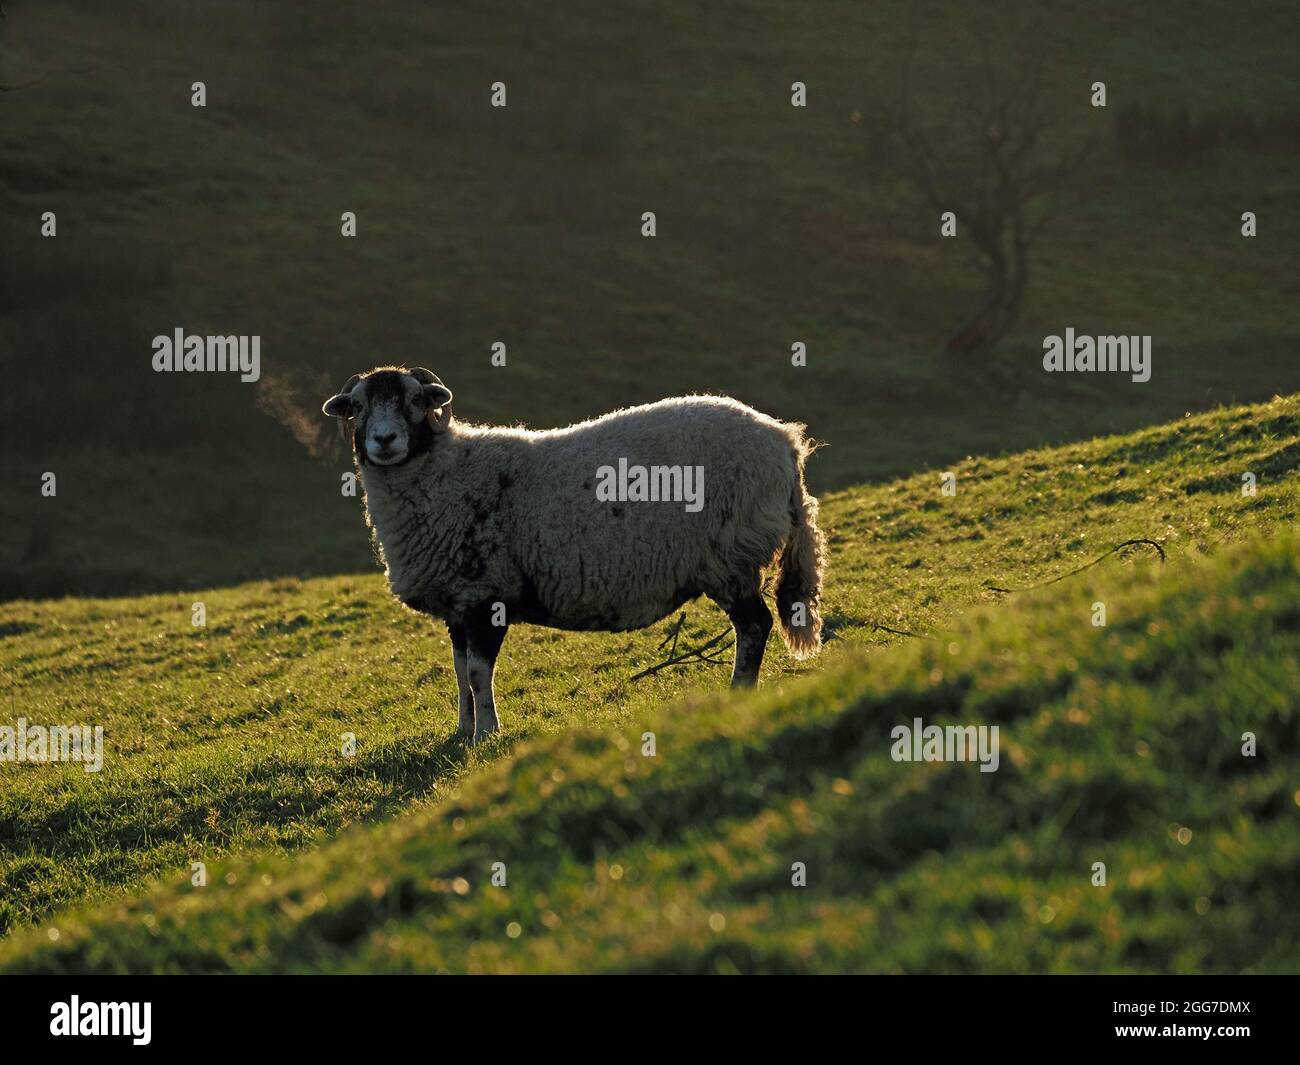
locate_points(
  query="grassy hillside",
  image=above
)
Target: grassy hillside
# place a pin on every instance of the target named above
(1120, 744)
(521, 225)
(1120, 747)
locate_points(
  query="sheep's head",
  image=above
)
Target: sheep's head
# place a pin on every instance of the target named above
(395, 413)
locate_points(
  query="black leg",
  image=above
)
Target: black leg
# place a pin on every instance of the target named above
(483, 641)
(464, 693)
(752, 621)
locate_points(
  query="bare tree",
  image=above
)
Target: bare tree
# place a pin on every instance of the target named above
(997, 162)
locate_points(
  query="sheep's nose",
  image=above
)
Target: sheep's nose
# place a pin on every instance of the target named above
(384, 439)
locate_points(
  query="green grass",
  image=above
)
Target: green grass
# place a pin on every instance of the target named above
(1119, 744)
(522, 225)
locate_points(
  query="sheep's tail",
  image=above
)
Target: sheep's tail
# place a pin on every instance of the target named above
(799, 580)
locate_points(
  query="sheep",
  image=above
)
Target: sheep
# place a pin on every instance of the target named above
(484, 526)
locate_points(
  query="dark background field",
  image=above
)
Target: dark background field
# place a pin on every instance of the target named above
(1121, 745)
(521, 225)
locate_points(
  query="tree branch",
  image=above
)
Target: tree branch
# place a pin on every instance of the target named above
(705, 652)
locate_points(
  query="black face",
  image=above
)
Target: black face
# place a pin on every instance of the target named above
(390, 419)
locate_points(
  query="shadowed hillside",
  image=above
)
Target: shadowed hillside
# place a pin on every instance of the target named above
(1120, 744)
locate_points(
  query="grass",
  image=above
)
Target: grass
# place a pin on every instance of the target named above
(1119, 744)
(522, 225)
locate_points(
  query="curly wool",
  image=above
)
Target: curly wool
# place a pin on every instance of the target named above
(509, 515)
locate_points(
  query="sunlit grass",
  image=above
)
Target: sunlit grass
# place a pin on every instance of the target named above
(223, 744)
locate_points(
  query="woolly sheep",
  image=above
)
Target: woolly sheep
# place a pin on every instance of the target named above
(485, 526)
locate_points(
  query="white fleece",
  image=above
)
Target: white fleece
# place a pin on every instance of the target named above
(510, 515)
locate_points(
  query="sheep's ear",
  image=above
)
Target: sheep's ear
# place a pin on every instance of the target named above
(436, 394)
(340, 406)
